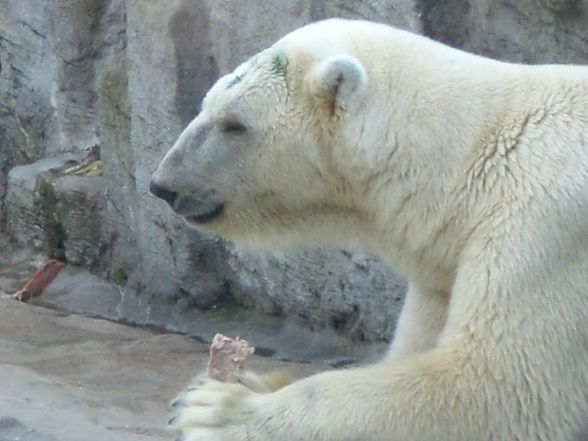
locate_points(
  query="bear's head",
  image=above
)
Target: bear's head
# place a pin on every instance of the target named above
(264, 162)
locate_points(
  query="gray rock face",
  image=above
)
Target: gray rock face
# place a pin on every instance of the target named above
(26, 224)
(128, 75)
(52, 53)
(530, 31)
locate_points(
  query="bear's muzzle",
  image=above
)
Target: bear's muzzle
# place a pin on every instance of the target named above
(194, 210)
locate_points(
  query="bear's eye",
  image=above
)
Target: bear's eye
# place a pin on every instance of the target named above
(233, 127)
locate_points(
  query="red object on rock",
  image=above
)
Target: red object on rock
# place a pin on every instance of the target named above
(37, 284)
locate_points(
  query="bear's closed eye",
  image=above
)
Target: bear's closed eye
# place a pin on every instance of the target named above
(233, 127)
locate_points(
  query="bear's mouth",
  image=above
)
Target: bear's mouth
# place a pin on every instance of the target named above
(205, 218)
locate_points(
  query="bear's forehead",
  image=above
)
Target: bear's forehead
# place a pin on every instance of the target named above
(267, 64)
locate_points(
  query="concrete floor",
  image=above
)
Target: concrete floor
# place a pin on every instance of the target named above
(66, 377)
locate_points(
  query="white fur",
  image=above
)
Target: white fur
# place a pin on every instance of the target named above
(468, 175)
(340, 78)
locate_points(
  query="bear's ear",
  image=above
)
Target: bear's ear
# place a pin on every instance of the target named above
(340, 80)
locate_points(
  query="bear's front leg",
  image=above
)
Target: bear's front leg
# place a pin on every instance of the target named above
(403, 401)
(422, 319)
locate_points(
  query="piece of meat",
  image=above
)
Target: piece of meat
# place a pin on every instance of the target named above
(227, 357)
(40, 280)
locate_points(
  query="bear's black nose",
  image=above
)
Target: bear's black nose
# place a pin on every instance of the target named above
(162, 192)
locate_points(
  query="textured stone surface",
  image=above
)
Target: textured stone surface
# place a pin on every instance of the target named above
(284, 336)
(26, 224)
(52, 53)
(127, 75)
(531, 31)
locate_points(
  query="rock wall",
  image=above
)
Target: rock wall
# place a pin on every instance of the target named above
(125, 77)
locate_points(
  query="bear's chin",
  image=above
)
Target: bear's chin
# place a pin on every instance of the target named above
(204, 218)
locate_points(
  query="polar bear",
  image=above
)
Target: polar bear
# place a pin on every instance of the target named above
(466, 174)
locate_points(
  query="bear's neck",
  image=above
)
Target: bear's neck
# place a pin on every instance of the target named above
(411, 168)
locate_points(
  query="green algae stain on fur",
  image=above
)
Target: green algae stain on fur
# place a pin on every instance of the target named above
(279, 64)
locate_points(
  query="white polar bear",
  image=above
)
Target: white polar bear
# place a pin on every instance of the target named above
(468, 175)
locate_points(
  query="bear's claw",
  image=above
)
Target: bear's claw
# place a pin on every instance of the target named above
(179, 402)
(212, 410)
